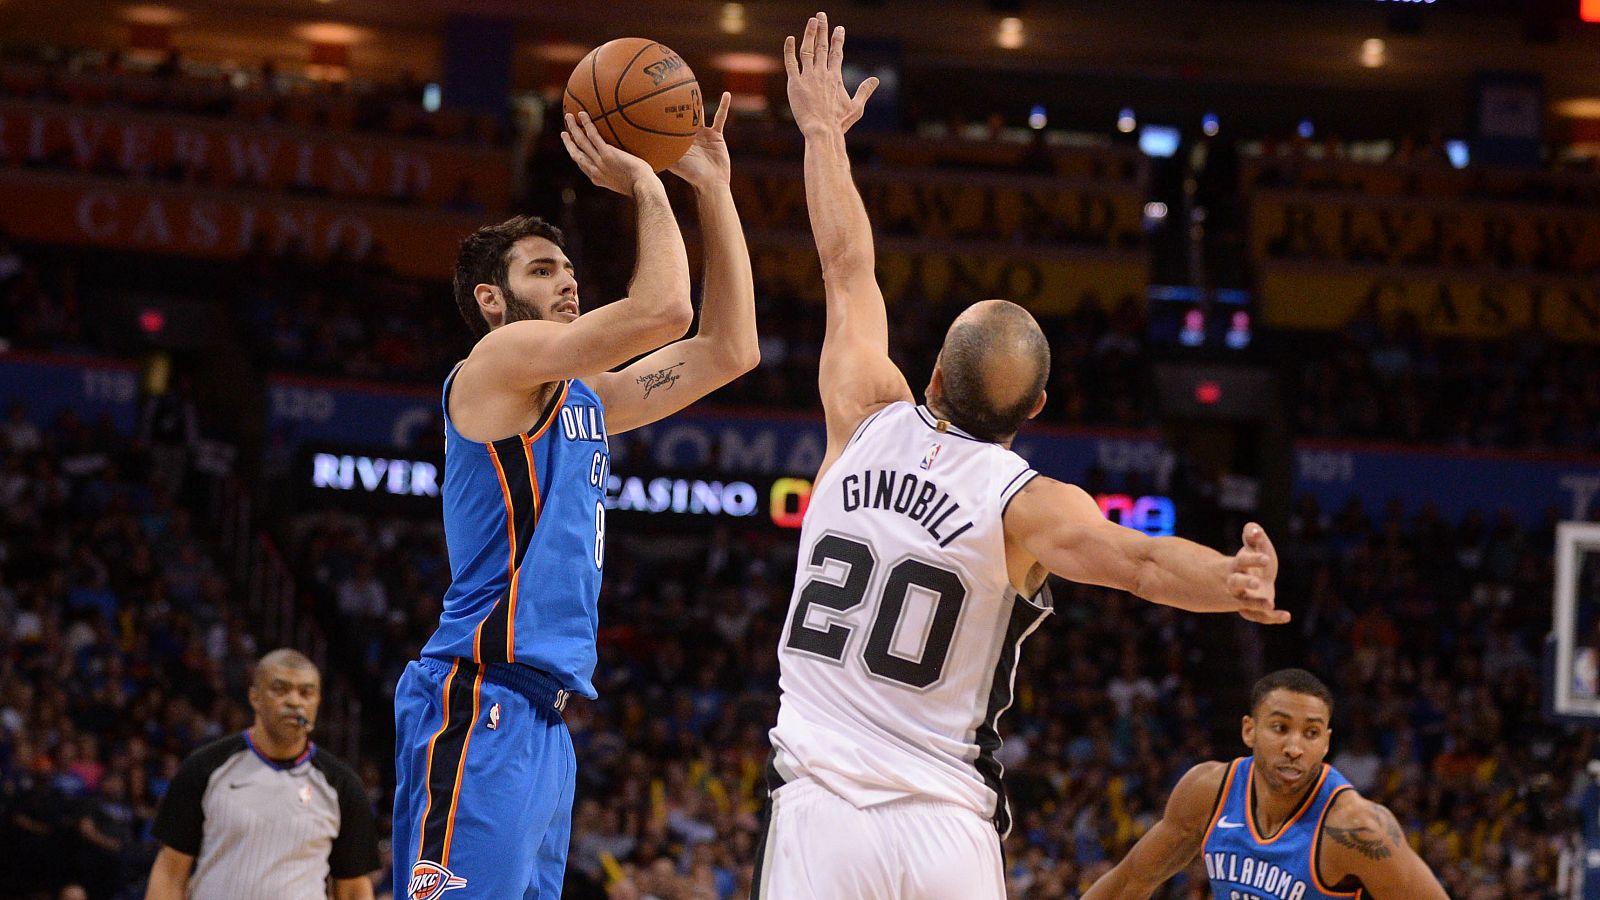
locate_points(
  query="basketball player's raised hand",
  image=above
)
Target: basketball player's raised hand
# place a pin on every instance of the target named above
(817, 95)
(607, 166)
(706, 164)
(1254, 578)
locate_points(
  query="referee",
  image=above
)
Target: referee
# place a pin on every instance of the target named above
(266, 815)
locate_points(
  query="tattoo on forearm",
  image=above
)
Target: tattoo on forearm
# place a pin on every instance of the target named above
(663, 378)
(1363, 840)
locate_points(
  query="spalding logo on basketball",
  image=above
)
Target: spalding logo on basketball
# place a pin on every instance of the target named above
(429, 880)
(641, 96)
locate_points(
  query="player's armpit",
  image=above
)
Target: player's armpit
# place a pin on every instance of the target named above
(1171, 843)
(855, 380)
(1362, 840)
(665, 381)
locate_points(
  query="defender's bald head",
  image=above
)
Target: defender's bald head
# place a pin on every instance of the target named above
(994, 364)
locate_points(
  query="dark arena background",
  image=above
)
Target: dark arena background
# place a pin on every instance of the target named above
(1330, 265)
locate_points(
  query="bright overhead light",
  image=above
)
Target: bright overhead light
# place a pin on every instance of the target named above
(1210, 124)
(747, 63)
(1010, 34)
(1126, 123)
(1374, 52)
(1579, 108)
(733, 21)
(152, 15)
(330, 33)
(1306, 130)
(1037, 118)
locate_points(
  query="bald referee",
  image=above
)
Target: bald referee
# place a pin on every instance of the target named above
(266, 815)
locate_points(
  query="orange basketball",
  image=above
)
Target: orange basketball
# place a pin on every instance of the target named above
(642, 97)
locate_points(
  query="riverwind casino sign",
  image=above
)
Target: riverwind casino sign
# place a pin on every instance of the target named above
(1463, 268)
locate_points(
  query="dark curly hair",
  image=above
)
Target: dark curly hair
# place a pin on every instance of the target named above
(484, 259)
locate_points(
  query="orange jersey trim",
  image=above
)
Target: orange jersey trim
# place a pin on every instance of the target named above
(1250, 807)
(1316, 842)
(511, 550)
(1222, 803)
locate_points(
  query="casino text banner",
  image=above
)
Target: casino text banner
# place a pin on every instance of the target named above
(61, 208)
(1474, 304)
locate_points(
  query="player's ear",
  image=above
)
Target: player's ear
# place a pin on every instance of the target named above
(1038, 405)
(490, 304)
(935, 382)
(1247, 732)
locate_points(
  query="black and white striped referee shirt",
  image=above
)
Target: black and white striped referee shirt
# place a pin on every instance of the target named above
(261, 830)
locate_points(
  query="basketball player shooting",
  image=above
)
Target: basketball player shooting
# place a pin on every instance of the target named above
(485, 769)
(922, 568)
(1279, 824)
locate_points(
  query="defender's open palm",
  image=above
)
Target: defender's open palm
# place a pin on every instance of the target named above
(1254, 578)
(706, 162)
(817, 95)
(609, 167)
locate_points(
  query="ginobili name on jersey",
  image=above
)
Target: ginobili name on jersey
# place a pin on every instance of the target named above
(918, 499)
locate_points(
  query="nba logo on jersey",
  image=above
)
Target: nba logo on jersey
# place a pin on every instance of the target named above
(305, 795)
(931, 455)
(494, 717)
(429, 880)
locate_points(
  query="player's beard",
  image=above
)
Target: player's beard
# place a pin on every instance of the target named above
(518, 309)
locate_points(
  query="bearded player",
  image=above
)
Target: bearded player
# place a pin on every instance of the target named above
(923, 560)
(1279, 824)
(484, 763)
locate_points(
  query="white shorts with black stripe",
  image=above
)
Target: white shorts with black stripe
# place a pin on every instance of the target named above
(820, 847)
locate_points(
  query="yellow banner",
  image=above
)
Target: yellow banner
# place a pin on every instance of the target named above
(1046, 211)
(1448, 234)
(1450, 304)
(914, 271)
(234, 154)
(77, 209)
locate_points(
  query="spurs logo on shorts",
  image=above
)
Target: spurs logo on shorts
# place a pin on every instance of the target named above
(429, 880)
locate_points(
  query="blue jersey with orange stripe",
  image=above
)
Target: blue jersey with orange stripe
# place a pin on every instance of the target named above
(1243, 865)
(524, 523)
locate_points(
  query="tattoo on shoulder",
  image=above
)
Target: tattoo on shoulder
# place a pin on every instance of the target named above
(1391, 825)
(661, 378)
(1362, 839)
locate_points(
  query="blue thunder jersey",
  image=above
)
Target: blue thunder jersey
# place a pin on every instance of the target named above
(1243, 865)
(524, 524)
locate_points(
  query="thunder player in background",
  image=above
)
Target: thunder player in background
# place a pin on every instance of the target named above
(484, 763)
(922, 567)
(1279, 824)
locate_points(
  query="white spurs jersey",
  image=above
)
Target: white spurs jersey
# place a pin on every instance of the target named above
(901, 641)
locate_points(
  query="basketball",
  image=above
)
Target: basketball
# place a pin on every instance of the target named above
(642, 97)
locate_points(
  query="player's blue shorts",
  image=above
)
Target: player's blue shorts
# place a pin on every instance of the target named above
(484, 773)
